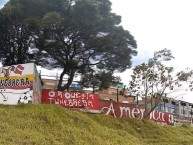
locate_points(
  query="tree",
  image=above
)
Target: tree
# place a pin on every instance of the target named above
(14, 41)
(83, 35)
(100, 80)
(155, 80)
(15, 37)
(72, 35)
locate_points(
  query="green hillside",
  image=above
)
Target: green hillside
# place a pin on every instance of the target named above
(54, 125)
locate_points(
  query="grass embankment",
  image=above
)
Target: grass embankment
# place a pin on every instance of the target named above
(54, 125)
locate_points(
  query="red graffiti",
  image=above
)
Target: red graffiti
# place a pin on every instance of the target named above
(19, 69)
(71, 99)
(123, 110)
(16, 69)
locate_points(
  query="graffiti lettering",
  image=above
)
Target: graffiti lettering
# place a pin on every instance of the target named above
(71, 102)
(157, 115)
(171, 118)
(15, 69)
(14, 82)
(69, 95)
(71, 99)
(133, 111)
(110, 110)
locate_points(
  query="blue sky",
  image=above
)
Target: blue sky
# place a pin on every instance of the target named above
(2, 2)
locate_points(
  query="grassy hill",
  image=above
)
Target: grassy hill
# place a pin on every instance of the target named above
(54, 125)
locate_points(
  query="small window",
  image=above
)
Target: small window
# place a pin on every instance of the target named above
(183, 103)
(173, 103)
(72, 85)
(78, 85)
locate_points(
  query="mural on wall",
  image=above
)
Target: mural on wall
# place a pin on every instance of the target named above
(13, 97)
(91, 101)
(71, 99)
(15, 69)
(123, 110)
(16, 84)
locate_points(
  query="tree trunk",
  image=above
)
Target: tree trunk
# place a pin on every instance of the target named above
(144, 117)
(59, 87)
(153, 108)
(70, 79)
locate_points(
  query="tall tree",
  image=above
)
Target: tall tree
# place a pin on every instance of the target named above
(14, 40)
(86, 34)
(154, 80)
(15, 37)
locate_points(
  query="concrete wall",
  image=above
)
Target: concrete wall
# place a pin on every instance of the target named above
(17, 84)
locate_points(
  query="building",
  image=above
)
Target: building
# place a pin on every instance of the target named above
(115, 94)
(181, 110)
(53, 83)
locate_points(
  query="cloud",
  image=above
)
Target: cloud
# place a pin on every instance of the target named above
(157, 25)
(2, 3)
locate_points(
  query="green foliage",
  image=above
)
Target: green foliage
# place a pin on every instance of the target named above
(16, 18)
(185, 125)
(101, 80)
(154, 79)
(51, 124)
(52, 19)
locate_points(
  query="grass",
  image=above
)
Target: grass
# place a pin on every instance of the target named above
(54, 125)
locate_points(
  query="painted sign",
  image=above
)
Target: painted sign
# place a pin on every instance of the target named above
(71, 99)
(17, 84)
(123, 110)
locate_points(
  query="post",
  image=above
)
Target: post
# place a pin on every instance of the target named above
(57, 80)
(183, 112)
(144, 117)
(164, 105)
(93, 87)
(137, 100)
(117, 93)
(93, 81)
(191, 114)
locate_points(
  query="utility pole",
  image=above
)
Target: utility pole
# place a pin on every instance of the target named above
(93, 82)
(137, 99)
(117, 93)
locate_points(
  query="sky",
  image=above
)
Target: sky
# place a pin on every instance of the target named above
(157, 24)
(2, 2)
